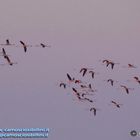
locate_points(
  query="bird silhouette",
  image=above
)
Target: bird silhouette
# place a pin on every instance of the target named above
(125, 88)
(92, 73)
(87, 99)
(116, 104)
(94, 110)
(62, 84)
(69, 78)
(131, 66)
(74, 90)
(7, 42)
(4, 52)
(8, 60)
(137, 79)
(24, 46)
(44, 45)
(84, 70)
(111, 81)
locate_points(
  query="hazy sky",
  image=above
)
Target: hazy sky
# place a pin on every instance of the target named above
(81, 33)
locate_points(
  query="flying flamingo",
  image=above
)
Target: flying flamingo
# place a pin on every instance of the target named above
(116, 104)
(24, 46)
(84, 70)
(4, 52)
(137, 79)
(94, 110)
(62, 84)
(126, 88)
(8, 60)
(131, 66)
(69, 78)
(91, 101)
(7, 43)
(92, 73)
(111, 81)
(43, 45)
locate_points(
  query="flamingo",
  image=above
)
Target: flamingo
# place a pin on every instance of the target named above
(116, 104)
(62, 84)
(90, 86)
(111, 81)
(126, 89)
(84, 70)
(24, 46)
(4, 52)
(94, 110)
(8, 60)
(69, 78)
(43, 45)
(92, 73)
(7, 42)
(74, 90)
(88, 100)
(137, 79)
(131, 66)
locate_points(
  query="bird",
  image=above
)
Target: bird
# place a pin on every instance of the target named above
(74, 90)
(84, 70)
(43, 45)
(90, 86)
(116, 104)
(24, 46)
(77, 94)
(94, 110)
(131, 66)
(111, 81)
(88, 99)
(92, 73)
(62, 84)
(7, 42)
(8, 60)
(4, 52)
(126, 89)
(69, 78)
(137, 79)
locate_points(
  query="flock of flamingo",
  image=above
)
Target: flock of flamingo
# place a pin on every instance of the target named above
(83, 90)
(22, 45)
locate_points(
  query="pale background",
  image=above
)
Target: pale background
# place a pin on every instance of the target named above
(81, 33)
